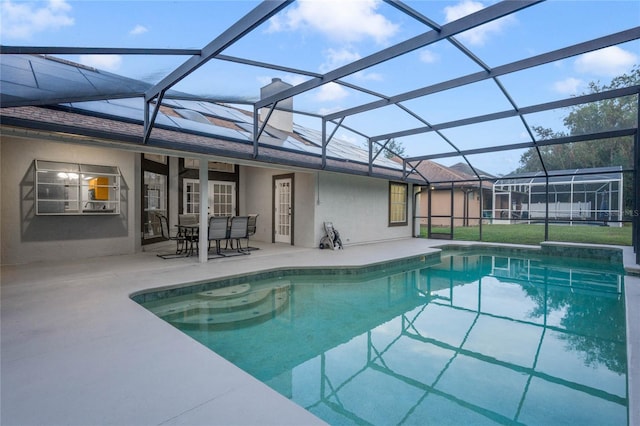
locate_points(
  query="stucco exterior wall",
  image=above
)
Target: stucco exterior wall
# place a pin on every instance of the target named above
(358, 207)
(29, 238)
(256, 196)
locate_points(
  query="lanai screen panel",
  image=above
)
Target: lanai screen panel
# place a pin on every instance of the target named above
(579, 196)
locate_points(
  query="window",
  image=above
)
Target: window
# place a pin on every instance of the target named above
(76, 189)
(192, 163)
(397, 204)
(222, 197)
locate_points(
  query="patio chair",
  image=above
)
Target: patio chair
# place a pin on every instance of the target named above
(239, 231)
(218, 231)
(179, 238)
(188, 223)
(188, 219)
(251, 230)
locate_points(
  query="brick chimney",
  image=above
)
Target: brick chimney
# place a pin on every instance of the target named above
(281, 120)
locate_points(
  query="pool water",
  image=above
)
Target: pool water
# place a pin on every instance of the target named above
(477, 339)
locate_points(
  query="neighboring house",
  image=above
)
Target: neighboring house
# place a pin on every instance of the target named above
(466, 169)
(454, 197)
(78, 182)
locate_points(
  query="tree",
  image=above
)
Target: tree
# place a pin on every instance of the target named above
(392, 149)
(608, 114)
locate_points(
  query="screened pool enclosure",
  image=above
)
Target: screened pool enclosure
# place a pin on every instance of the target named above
(409, 79)
(581, 196)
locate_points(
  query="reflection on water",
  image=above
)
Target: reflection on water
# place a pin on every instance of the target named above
(476, 339)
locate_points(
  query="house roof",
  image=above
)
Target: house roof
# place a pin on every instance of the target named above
(442, 176)
(465, 168)
(69, 125)
(205, 119)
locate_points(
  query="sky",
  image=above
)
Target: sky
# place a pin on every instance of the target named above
(319, 36)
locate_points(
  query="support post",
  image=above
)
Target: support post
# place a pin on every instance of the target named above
(481, 209)
(203, 234)
(429, 212)
(546, 213)
(453, 194)
(324, 144)
(370, 143)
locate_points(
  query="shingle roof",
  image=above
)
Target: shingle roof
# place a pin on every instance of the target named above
(128, 134)
(111, 97)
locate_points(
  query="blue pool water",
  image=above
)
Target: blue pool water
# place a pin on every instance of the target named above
(473, 339)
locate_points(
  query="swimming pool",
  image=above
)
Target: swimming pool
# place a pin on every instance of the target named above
(471, 338)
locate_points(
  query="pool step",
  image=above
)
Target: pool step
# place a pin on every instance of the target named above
(215, 309)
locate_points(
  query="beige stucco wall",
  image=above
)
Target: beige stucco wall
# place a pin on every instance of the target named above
(29, 238)
(256, 196)
(358, 207)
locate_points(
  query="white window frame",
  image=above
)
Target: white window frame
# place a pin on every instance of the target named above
(63, 189)
(217, 198)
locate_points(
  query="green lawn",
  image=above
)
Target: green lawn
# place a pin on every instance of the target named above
(534, 234)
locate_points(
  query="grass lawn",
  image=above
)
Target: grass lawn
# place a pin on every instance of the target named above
(534, 234)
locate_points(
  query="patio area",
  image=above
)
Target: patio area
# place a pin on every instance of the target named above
(77, 350)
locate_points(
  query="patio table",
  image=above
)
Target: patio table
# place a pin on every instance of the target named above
(190, 233)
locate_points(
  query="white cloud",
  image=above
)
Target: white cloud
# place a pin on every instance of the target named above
(568, 86)
(23, 20)
(610, 62)
(337, 57)
(325, 111)
(344, 20)
(428, 57)
(138, 29)
(331, 92)
(479, 35)
(369, 76)
(102, 62)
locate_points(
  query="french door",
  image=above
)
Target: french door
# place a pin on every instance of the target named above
(222, 197)
(283, 209)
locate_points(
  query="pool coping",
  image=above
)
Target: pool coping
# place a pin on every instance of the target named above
(152, 294)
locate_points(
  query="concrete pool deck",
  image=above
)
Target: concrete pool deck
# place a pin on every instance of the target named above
(76, 350)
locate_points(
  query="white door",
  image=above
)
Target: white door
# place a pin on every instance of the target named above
(282, 211)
